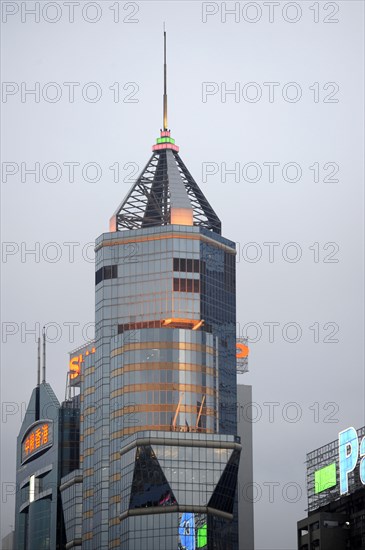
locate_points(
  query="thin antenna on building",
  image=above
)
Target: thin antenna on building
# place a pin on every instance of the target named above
(164, 81)
(39, 363)
(44, 355)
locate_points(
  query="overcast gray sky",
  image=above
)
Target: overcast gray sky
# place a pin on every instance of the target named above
(307, 119)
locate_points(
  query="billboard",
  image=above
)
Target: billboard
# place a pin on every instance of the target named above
(37, 438)
(336, 469)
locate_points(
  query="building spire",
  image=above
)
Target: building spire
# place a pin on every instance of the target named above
(44, 355)
(165, 127)
(39, 363)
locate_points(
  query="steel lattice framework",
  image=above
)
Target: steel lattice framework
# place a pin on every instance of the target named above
(148, 201)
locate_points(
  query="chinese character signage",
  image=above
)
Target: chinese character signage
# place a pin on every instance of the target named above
(37, 438)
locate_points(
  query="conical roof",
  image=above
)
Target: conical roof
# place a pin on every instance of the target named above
(165, 193)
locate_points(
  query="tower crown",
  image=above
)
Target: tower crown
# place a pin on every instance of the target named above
(165, 192)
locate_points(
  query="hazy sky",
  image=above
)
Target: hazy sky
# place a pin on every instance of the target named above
(296, 143)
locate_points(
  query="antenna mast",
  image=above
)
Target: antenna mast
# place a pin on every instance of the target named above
(44, 355)
(39, 363)
(165, 127)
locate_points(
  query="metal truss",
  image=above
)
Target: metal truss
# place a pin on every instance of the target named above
(148, 201)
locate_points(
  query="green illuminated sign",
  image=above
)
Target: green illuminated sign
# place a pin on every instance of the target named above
(325, 478)
(202, 537)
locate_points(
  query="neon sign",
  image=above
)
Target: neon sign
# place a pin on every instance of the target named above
(76, 362)
(37, 438)
(241, 350)
(351, 452)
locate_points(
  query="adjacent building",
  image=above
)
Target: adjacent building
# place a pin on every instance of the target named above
(47, 449)
(336, 495)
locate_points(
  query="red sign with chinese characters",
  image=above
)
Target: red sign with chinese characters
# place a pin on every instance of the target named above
(37, 438)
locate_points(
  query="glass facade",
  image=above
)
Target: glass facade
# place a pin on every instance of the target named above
(71, 495)
(165, 360)
(146, 456)
(167, 472)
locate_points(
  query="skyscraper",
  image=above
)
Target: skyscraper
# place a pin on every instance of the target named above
(159, 450)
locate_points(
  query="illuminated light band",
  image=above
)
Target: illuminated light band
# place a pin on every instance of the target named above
(179, 321)
(165, 142)
(165, 146)
(36, 439)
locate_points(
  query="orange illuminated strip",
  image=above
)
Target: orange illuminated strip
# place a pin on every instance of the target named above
(163, 386)
(179, 321)
(162, 345)
(171, 408)
(164, 365)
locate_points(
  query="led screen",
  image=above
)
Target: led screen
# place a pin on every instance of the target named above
(193, 531)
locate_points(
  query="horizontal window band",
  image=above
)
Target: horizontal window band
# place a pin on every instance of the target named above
(190, 236)
(207, 411)
(162, 345)
(157, 427)
(89, 370)
(115, 477)
(164, 387)
(183, 367)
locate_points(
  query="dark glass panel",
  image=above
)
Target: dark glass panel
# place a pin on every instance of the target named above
(149, 486)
